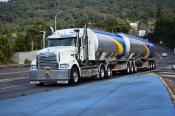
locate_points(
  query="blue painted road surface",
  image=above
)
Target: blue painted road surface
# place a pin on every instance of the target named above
(127, 96)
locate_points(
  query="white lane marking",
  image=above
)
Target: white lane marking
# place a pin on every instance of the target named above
(13, 79)
(170, 73)
(14, 86)
(12, 72)
(173, 76)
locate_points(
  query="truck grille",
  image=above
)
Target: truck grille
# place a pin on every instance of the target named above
(47, 60)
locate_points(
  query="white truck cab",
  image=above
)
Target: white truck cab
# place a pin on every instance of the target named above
(54, 63)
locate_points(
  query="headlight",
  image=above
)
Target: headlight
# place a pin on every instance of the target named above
(64, 65)
(33, 67)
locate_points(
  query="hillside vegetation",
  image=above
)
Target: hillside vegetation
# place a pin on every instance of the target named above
(22, 20)
(26, 12)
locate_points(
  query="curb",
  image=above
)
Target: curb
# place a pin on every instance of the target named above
(167, 87)
(169, 90)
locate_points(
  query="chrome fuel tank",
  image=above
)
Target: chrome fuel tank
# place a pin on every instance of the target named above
(140, 47)
(119, 46)
(108, 45)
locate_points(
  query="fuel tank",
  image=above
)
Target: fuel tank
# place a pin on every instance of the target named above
(108, 45)
(139, 46)
(119, 46)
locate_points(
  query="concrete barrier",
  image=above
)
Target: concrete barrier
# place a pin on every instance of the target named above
(20, 57)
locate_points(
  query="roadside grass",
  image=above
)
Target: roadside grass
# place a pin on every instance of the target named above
(171, 84)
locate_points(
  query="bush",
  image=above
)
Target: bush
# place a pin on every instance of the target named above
(27, 61)
(5, 49)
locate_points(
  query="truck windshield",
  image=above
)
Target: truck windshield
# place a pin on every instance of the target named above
(61, 42)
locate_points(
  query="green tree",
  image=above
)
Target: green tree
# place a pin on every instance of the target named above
(32, 34)
(5, 49)
(164, 29)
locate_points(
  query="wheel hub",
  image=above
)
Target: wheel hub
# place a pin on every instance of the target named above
(102, 73)
(75, 76)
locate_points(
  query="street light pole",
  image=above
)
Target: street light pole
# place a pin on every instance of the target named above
(44, 36)
(60, 13)
(114, 28)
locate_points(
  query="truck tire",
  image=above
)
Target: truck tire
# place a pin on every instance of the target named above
(135, 69)
(74, 76)
(108, 72)
(128, 69)
(101, 72)
(149, 65)
(154, 65)
(131, 67)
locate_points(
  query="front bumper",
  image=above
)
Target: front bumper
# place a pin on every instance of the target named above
(49, 76)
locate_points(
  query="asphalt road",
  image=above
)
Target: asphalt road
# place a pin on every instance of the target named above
(120, 95)
(164, 62)
(143, 95)
(15, 82)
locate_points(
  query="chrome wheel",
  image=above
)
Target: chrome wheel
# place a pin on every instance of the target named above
(128, 69)
(135, 68)
(102, 73)
(74, 76)
(108, 72)
(132, 68)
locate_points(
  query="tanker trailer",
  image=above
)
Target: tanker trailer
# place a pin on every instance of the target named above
(77, 53)
(140, 54)
(133, 52)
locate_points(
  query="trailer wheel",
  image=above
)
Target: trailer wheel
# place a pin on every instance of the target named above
(131, 67)
(154, 65)
(149, 65)
(101, 72)
(128, 69)
(108, 72)
(74, 76)
(135, 69)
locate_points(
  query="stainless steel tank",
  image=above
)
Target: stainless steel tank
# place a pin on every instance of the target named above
(117, 46)
(106, 46)
(140, 47)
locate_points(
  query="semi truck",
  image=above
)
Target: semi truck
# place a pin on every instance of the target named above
(76, 53)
